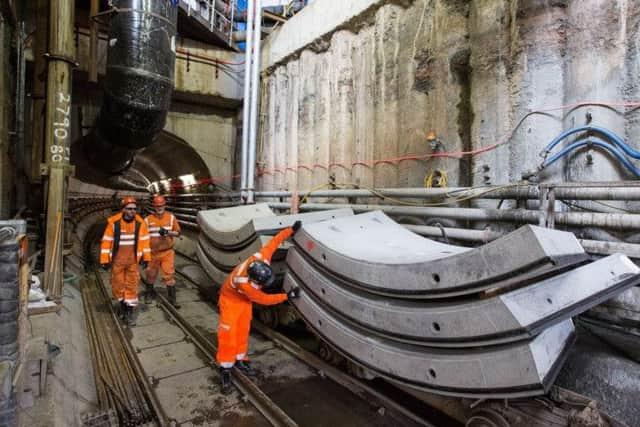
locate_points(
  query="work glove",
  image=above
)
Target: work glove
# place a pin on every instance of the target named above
(296, 226)
(293, 293)
(144, 264)
(105, 267)
(163, 231)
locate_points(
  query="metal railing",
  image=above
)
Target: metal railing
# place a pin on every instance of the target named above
(218, 14)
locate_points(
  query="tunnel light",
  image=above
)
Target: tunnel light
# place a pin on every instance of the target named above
(188, 179)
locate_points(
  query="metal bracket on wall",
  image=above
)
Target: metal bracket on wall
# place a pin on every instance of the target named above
(547, 207)
(64, 58)
(70, 170)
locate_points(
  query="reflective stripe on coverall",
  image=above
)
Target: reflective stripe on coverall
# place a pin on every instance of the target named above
(162, 253)
(235, 302)
(125, 253)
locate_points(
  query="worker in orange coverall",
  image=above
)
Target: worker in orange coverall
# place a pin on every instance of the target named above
(163, 227)
(125, 244)
(243, 287)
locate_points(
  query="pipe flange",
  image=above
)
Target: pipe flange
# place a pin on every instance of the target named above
(63, 58)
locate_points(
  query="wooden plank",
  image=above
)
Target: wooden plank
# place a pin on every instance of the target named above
(43, 310)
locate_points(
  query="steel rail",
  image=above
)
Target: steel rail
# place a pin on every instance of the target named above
(359, 388)
(270, 410)
(352, 384)
(134, 363)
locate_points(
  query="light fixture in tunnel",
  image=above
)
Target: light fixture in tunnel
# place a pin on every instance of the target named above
(154, 188)
(188, 180)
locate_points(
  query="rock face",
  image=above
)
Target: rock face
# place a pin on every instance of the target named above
(470, 70)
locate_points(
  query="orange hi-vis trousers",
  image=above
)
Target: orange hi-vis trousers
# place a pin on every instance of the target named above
(124, 282)
(236, 300)
(233, 331)
(162, 261)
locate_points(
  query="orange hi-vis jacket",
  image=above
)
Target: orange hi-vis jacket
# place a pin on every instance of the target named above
(239, 288)
(235, 303)
(166, 221)
(120, 233)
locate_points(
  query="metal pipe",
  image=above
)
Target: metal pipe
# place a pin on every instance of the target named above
(57, 136)
(255, 83)
(246, 106)
(597, 247)
(575, 191)
(582, 219)
(39, 89)
(585, 192)
(608, 248)
(93, 42)
(19, 119)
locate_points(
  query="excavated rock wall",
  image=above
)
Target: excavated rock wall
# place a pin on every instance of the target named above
(469, 70)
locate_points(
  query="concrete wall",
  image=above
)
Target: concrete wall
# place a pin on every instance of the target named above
(211, 132)
(372, 88)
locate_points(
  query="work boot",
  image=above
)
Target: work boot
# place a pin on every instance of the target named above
(122, 310)
(225, 380)
(171, 291)
(133, 315)
(149, 293)
(245, 368)
(126, 313)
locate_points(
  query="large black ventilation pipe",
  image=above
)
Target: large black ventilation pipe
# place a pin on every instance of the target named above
(138, 82)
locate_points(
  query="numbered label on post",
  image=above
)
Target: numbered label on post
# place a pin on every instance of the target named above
(60, 150)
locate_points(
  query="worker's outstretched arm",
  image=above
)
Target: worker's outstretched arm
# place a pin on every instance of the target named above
(270, 248)
(254, 294)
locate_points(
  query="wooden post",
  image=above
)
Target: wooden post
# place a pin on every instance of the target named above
(57, 135)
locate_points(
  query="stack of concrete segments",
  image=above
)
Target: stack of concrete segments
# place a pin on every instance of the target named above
(228, 236)
(493, 321)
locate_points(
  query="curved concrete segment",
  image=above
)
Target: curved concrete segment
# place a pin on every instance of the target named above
(513, 316)
(218, 275)
(377, 254)
(526, 368)
(223, 225)
(231, 228)
(229, 259)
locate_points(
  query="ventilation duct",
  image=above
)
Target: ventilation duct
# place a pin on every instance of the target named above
(138, 83)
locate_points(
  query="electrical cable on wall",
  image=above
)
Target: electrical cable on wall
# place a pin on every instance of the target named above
(506, 138)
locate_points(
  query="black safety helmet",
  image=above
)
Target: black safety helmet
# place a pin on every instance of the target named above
(261, 273)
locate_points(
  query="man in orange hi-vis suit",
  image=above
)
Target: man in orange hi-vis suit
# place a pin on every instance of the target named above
(125, 244)
(243, 287)
(163, 227)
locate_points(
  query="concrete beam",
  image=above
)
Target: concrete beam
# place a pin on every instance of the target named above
(315, 23)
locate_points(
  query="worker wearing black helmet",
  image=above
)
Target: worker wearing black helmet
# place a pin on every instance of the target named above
(245, 285)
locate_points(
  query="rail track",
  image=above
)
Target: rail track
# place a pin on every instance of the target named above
(175, 349)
